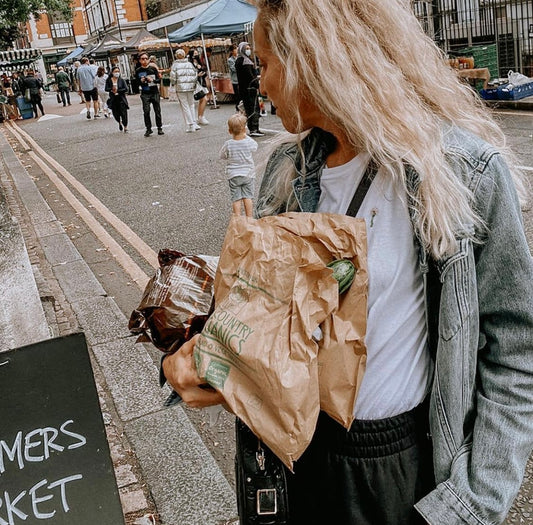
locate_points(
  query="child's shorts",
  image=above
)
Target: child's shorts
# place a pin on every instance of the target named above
(241, 188)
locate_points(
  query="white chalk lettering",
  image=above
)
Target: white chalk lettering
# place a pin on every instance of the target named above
(37, 445)
(11, 509)
(75, 435)
(48, 442)
(62, 482)
(35, 500)
(16, 450)
(29, 445)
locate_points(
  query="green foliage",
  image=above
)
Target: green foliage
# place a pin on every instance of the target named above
(153, 8)
(15, 11)
(8, 35)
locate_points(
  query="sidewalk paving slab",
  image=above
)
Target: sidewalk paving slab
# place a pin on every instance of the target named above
(195, 490)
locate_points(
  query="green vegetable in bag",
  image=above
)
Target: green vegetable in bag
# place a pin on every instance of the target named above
(343, 272)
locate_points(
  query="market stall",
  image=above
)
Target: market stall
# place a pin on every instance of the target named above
(17, 59)
(71, 57)
(223, 17)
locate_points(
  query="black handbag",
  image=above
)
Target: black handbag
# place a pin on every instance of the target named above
(260, 481)
(200, 92)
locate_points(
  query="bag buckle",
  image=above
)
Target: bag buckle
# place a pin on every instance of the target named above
(266, 502)
(260, 458)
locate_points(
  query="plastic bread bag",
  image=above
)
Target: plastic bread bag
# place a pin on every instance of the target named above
(176, 301)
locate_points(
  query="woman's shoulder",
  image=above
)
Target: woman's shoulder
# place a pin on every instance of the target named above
(467, 152)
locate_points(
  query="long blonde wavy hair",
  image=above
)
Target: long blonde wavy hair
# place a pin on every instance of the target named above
(374, 73)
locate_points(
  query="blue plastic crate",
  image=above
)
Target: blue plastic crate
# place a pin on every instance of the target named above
(22, 104)
(489, 93)
(516, 92)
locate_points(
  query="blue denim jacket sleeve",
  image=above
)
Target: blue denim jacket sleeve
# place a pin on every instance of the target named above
(486, 468)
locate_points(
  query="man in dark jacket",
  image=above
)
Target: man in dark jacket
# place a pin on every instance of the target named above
(149, 78)
(63, 86)
(35, 85)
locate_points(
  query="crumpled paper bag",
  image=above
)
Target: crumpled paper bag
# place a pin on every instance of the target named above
(272, 289)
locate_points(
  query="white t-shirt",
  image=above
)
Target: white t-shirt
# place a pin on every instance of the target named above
(238, 153)
(398, 362)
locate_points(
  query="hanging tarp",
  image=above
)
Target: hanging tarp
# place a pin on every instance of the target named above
(71, 57)
(223, 17)
(209, 42)
(155, 45)
(141, 37)
(108, 44)
(87, 50)
(19, 57)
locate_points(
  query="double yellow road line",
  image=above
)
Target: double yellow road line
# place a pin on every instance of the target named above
(60, 177)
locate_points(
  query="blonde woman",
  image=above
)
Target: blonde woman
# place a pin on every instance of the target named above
(444, 416)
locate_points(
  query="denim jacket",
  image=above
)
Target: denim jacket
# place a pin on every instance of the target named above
(479, 304)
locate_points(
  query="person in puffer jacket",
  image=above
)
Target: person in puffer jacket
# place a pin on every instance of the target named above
(183, 76)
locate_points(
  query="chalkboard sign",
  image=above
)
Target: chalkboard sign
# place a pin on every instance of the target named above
(55, 467)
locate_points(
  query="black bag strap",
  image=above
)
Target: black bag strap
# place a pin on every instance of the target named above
(362, 188)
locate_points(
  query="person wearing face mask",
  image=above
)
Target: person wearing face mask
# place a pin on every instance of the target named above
(248, 87)
(194, 59)
(117, 89)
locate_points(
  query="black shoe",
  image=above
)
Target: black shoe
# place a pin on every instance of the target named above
(148, 132)
(120, 128)
(88, 115)
(256, 134)
(160, 131)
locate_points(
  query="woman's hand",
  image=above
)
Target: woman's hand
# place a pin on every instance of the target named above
(180, 371)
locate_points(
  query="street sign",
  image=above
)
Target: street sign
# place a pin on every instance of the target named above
(55, 467)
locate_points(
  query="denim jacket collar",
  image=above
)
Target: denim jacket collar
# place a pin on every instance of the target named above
(316, 147)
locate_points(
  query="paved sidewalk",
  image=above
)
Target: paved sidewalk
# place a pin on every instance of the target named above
(160, 460)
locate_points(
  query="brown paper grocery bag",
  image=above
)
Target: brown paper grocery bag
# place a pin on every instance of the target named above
(272, 290)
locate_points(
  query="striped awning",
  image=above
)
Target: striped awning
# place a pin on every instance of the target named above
(19, 56)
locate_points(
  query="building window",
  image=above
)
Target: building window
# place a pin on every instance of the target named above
(61, 30)
(100, 15)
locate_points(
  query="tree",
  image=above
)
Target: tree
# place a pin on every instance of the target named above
(14, 11)
(8, 35)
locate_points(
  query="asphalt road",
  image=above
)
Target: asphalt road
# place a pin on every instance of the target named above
(172, 192)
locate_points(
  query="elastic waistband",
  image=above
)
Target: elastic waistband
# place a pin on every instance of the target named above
(374, 438)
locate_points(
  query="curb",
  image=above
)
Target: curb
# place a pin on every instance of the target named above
(22, 316)
(186, 484)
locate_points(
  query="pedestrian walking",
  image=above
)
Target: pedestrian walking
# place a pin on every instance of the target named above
(86, 75)
(443, 422)
(63, 85)
(117, 88)
(76, 82)
(248, 87)
(183, 77)
(34, 85)
(149, 78)
(238, 153)
(100, 83)
(194, 59)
